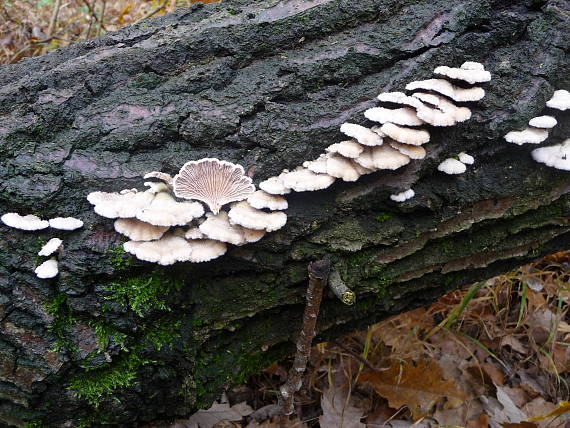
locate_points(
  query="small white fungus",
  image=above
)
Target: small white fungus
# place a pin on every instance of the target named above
(466, 159)
(47, 269)
(452, 166)
(403, 196)
(26, 222)
(50, 247)
(65, 223)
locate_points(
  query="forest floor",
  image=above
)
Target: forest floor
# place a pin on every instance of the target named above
(495, 354)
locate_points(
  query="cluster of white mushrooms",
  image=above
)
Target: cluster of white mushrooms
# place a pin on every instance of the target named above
(164, 230)
(430, 103)
(556, 156)
(49, 268)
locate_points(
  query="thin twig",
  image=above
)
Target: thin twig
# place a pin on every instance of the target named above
(53, 20)
(318, 278)
(154, 11)
(102, 18)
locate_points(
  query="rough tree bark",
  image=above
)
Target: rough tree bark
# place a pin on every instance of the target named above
(265, 84)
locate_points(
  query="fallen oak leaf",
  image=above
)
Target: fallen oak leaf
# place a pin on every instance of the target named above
(563, 407)
(418, 387)
(214, 415)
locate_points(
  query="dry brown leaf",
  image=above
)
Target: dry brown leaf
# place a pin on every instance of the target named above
(519, 425)
(514, 343)
(214, 415)
(543, 412)
(495, 373)
(338, 412)
(482, 421)
(418, 387)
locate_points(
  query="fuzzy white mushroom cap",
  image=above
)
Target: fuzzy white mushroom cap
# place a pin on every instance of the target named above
(560, 100)
(543, 122)
(444, 114)
(349, 148)
(403, 196)
(471, 65)
(261, 199)
(65, 223)
(125, 191)
(164, 210)
(417, 137)
(449, 90)
(194, 233)
(467, 75)
(204, 250)
(382, 157)
(48, 269)
(400, 116)
(116, 205)
(138, 230)
(274, 185)
(466, 158)
(319, 165)
(24, 222)
(413, 152)
(50, 247)
(427, 98)
(167, 178)
(243, 214)
(303, 180)
(527, 136)
(341, 167)
(452, 166)
(399, 98)
(165, 251)
(557, 156)
(362, 134)
(218, 227)
(213, 182)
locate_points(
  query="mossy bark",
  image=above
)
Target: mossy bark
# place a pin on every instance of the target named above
(265, 84)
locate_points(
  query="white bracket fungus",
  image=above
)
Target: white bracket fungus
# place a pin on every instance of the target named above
(349, 149)
(274, 185)
(213, 182)
(466, 159)
(138, 230)
(400, 116)
(545, 122)
(50, 247)
(164, 210)
(527, 136)
(468, 75)
(205, 250)
(557, 156)
(399, 98)
(413, 152)
(362, 134)
(243, 214)
(167, 178)
(449, 90)
(26, 222)
(65, 223)
(417, 137)
(303, 180)
(403, 196)
(452, 166)
(560, 100)
(125, 205)
(166, 251)
(261, 199)
(383, 157)
(47, 269)
(218, 228)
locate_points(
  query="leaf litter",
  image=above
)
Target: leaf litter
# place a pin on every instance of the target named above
(496, 354)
